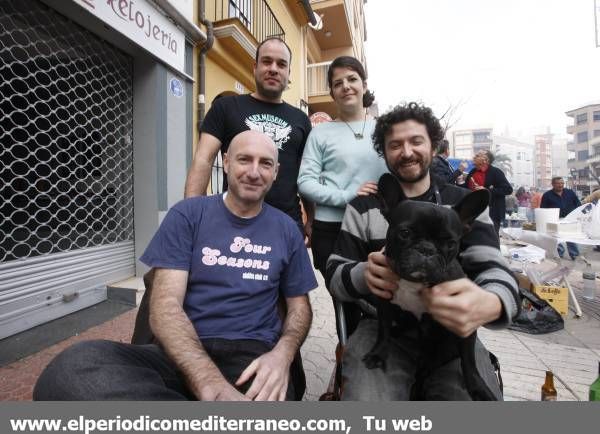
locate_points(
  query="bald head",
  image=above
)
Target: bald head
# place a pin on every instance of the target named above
(251, 167)
(253, 139)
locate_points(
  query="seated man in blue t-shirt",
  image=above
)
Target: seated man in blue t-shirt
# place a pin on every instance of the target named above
(221, 264)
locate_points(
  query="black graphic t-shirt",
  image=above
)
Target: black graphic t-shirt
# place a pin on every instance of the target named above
(285, 124)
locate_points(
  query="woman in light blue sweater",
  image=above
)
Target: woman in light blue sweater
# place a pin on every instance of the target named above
(339, 161)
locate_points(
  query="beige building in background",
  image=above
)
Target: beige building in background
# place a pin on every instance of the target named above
(585, 148)
(466, 143)
(543, 160)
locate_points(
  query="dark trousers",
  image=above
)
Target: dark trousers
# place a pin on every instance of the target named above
(497, 225)
(444, 383)
(104, 370)
(324, 236)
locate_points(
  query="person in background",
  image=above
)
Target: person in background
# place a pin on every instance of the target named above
(523, 197)
(484, 175)
(441, 167)
(534, 202)
(567, 201)
(512, 204)
(339, 162)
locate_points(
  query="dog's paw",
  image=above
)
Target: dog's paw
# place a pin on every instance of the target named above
(373, 360)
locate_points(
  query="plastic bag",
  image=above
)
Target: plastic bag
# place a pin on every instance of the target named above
(589, 216)
(536, 316)
(594, 228)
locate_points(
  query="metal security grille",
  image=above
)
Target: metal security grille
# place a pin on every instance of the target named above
(66, 160)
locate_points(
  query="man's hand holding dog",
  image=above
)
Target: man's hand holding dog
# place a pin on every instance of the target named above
(380, 278)
(461, 306)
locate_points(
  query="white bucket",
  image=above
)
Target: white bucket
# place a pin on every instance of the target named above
(545, 215)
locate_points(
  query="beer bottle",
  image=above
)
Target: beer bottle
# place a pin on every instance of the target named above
(595, 387)
(548, 390)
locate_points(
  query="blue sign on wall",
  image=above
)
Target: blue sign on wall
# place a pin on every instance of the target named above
(176, 87)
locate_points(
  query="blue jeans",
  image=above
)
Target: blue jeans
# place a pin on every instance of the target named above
(104, 370)
(571, 247)
(395, 384)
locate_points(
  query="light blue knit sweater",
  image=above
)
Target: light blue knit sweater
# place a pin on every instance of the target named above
(335, 164)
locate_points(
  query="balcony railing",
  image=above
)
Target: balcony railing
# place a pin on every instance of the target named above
(317, 79)
(594, 158)
(255, 15)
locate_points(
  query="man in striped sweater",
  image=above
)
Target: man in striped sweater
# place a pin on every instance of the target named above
(407, 137)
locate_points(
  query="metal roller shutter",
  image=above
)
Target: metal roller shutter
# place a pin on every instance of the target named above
(66, 166)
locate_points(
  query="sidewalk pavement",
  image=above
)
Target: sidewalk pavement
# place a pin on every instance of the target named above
(572, 354)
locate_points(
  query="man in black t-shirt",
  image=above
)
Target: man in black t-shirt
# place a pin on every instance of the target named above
(263, 111)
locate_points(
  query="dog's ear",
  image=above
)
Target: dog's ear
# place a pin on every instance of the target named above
(470, 206)
(390, 192)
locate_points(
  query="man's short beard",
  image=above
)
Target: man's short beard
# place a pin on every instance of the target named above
(268, 93)
(422, 174)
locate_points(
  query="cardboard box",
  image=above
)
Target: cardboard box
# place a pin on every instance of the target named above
(523, 281)
(556, 296)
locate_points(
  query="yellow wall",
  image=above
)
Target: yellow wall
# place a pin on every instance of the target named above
(336, 52)
(221, 79)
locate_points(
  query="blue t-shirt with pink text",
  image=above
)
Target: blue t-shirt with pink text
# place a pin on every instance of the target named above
(237, 266)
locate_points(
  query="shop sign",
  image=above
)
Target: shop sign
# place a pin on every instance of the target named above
(143, 24)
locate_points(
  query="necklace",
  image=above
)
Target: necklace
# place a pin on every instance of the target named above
(357, 135)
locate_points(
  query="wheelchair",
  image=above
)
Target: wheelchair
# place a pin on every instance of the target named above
(335, 386)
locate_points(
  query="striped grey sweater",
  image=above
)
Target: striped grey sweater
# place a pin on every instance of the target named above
(364, 230)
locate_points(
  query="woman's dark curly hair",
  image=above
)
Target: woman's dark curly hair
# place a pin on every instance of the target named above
(400, 113)
(355, 65)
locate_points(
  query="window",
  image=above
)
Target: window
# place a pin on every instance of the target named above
(597, 115)
(483, 136)
(582, 155)
(581, 118)
(463, 139)
(596, 133)
(582, 137)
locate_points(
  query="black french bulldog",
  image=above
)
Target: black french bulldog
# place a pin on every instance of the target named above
(422, 245)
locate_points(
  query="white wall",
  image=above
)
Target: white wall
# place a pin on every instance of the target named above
(521, 156)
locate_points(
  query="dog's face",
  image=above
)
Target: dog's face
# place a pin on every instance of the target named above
(423, 238)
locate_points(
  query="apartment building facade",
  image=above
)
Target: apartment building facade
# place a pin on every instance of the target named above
(466, 143)
(584, 161)
(543, 171)
(519, 167)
